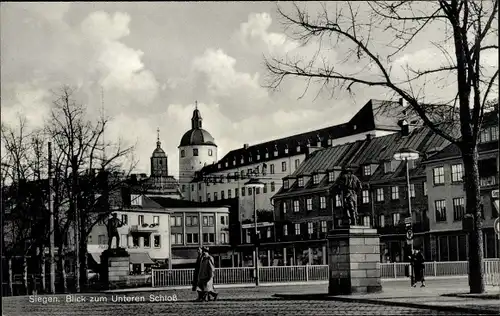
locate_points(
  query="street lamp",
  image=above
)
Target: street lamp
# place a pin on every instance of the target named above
(254, 184)
(407, 154)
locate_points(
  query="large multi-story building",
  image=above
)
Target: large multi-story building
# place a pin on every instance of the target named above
(273, 160)
(447, 201)
(308, 205)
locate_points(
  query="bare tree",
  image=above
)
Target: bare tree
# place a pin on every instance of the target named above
(374, 35)
(86, 171)
(23, 199)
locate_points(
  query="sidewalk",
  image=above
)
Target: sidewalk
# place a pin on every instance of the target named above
(399, 293)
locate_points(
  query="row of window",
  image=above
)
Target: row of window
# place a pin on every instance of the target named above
(193, 238)
(237, 190)
(192, 220)
(124, 241)
(488, 134)
(196, 152)
(258, 157)
(458, 209)
(365, 195)
(457, 174)
(140, 220)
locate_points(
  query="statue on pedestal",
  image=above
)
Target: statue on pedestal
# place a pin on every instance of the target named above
(349, 186)
(113, 224)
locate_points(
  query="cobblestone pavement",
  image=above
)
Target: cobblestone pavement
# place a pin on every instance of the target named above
(223, 307)
(234, 301)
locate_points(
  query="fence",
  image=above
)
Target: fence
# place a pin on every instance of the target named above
(279, 274)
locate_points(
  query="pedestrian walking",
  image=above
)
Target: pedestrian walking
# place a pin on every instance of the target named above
(206, 276)
(196, 275)
(418, 268)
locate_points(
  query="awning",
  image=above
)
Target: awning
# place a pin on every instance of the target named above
(140, 257)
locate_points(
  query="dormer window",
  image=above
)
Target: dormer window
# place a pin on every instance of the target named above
(285, 184)
(301, 182)
(387, 167)
(316, 179)
(275, 151)
(218, 166)
(249, 158)
(298, 148)
(258, 156)
(226, 164)
(286, 149)
(318, 142)
(367, 170)
(267, 154)
(329, 141)
(331, 176)
(234, 162)
(242, 161)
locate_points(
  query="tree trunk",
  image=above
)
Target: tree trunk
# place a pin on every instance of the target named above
(25, 274)
(473, 207)
(11, 275)
(62, 269)
(42, 269)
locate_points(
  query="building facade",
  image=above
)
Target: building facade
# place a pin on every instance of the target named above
(272, 161)
(145, 234)
(194, 225)
(308, 205)
(447, 200)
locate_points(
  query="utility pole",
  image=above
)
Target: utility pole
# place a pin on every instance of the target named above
(74, 170)
(51, 227)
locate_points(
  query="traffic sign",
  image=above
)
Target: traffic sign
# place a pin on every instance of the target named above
(409, 234)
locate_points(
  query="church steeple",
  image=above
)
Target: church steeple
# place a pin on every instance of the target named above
(196, 119)
(158, 143)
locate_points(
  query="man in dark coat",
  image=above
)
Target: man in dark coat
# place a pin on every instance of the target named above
(418, 268)
(196, 274)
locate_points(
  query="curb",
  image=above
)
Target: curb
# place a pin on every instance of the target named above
(218, 286)
(313, 297)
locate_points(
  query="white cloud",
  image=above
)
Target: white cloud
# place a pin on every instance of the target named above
(27, 100)
(256, 28)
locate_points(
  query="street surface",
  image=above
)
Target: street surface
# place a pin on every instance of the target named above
(233, 301)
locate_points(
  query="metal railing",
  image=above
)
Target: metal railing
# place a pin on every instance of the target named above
(282, 274)
(243, 275)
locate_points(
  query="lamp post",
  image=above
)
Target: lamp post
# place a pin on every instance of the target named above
(254, 184)
(407, 154)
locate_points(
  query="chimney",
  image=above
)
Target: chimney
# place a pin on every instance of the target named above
(369, 136)
(405, 127)
(245, 146)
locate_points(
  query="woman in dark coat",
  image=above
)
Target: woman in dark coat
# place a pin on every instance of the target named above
(196, 273)
(418, 268)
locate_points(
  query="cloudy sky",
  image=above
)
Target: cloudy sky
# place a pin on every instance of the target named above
(153, 60)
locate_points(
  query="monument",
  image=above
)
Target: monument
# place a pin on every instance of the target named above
(353, 251)
(115, 263)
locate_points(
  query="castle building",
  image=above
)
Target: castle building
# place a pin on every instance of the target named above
(273, 160)
(197, 149)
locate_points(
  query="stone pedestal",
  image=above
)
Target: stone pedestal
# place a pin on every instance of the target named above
(115, 267)
(354, 260)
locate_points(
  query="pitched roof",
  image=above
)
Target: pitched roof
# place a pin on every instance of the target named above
(374, 115)
(176, 203)
(366, 152)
